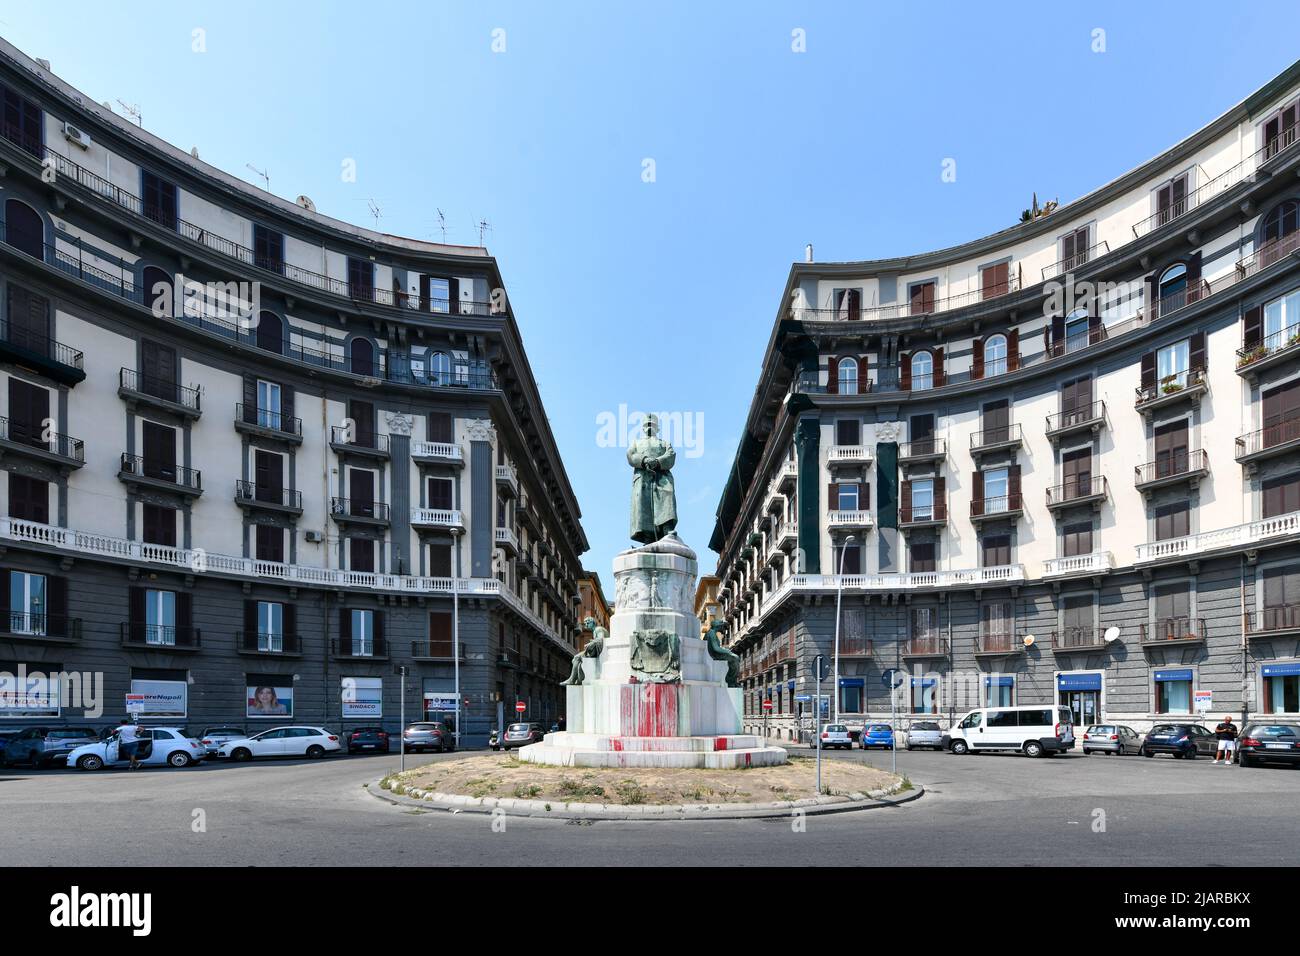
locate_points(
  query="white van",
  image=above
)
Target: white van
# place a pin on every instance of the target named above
(1033, 730)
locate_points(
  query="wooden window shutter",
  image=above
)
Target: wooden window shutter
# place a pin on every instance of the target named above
(864, 496)
(855, 304)
(286, 408)
(290, 620)
(4, 595)
(977, 359)
(184, 609)
(135, 613)
(250, 398)
(378, 617)
(833, 375)
(1013, 486)
(832, 497)
(864, 383)
(250, 623)
(1196, 351)
(939, 379)
(940, 497)
(1148, 371)
(1193, 269)
(905, 499)
(905, 371)
(976, 492)
(1013, 350)
(345, 630)
(1152, 295)
(1058, 331)
(57, 623)
(1252, 332)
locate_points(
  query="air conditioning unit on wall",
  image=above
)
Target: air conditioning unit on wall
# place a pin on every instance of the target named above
(314, 537)
(76, 136)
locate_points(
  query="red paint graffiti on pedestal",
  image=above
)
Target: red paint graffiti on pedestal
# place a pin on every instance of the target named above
(648, 710)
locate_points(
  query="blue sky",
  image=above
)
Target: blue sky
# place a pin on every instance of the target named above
(661, 295)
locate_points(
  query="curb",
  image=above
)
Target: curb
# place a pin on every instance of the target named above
(811, 806)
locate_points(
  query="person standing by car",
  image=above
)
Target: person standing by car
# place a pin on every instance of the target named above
(1227, 734)
(128, 741)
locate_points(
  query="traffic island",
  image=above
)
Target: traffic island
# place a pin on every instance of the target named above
(501, 782)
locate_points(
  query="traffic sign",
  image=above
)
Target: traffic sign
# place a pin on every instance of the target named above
(767, 705)
(520, 707)
(891, 678)
(135, 703)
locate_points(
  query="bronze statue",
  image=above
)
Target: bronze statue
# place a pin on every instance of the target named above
(720, 653)
(654, 502)
(592, 650)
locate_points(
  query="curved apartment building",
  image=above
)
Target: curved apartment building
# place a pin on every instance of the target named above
(1060, 463)
(259, 463)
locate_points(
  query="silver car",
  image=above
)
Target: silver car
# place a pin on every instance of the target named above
(925, 733)
(1111, 739)
(213, 737)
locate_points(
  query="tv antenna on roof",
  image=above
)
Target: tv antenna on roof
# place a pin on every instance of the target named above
(374, 211)
(263, 173)
(133, 112)
(442, 224)
(483, 226)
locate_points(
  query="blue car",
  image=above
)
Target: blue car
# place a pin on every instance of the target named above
(877, 735)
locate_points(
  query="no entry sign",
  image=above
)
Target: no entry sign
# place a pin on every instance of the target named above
(520, 707)
(767, 705)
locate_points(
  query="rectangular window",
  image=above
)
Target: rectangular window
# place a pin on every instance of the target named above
(1074, 249)
(29, 498)
(848, 497)
(1280, 495)
(268, 404)
(269, 543)
(1282, 696)
(1076, 539)
(441, 428)
(1172, 363)
(1171, 199)
(28, 603)
(159, 447)
(1172, 521)
(993, 280)
(925, 695)
(439, 295)
(363, 633)
(29, 411)
(924, 624)
(995, 421)
(995, 550)
(848, 431)
(440, 560)
(1076, 470)
(849, 559)
(1278, 131)
(160, 617)
(850, 699)
(1077, 620)
(923, 499)
(441, 491)
(999, 692)
(1173, 696)
(158, 525)
(270, 626)
(996, 490)
(921, 557)
(24, 123)
(922, 298)
(158, 199)
(1281, 602)
(1172, 611)
(361, 555)
(268, 249)
(361, 279)
(996, 622)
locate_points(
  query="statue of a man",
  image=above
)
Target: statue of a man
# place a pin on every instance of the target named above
(720, 653)
(592, 650)
(654, 503)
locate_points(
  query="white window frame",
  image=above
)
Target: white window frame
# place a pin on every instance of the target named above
(922, 380)
(270, 626)
(28, 605)
(994, 363)
(363, 632)
(160, 606)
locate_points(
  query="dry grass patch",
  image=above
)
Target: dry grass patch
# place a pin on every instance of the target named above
(504, 775)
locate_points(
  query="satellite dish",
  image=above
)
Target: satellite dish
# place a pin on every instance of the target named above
(1111, 635)
(1029, 640)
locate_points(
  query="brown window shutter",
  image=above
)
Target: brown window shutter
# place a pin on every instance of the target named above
(345, 630)
(250, 619)
(184, 609)
(4, 593)
(1196, 351)
(1013, 486)
(905, 372)
(977, 359)
(976, 493)
(286, 408)
(939, 379)
(864, 496)
(250, 398)
(1013, 350)
(1058, 332)
(940, 497)
(855, 304)
(57, 623)
(1193, 276)
(864, 384)
(833, 376)
(1252, 332)
(905, 500)
(378, 617)
(1148, 371)
(832, 497)
(290, 620)
(1152, 292)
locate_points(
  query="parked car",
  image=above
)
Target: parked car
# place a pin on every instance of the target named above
(366, 738)
(1033, 730)
(925, 733)
(213, 737)
(1111, 739)
(494, 738)
(427, 735)
(45, 746)
(877, 735)
(282, 742)
(1264, 743)
(833, 736)
(167, 745)
(520, 735)
(1183, 741)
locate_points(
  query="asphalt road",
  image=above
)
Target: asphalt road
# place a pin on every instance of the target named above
(978, 810)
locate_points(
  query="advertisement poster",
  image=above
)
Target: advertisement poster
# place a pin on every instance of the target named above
(265, 701)
(363, 697)
(162, 698)
(28, 695)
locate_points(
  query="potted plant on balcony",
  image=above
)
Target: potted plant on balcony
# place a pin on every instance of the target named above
(1171, 385)
(1257, 353)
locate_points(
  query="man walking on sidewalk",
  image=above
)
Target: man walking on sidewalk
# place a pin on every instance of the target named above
(1227, 734)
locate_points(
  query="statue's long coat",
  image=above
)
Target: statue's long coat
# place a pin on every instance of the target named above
(654, 502)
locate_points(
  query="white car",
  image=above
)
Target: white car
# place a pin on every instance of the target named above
(170, 747)
(833, 735)
(282, 742)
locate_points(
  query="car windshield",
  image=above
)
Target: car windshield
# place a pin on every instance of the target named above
(518, 728)
(1167, 729)
(1273, 730)
(925, 725)
(880, 728)
(836, 729)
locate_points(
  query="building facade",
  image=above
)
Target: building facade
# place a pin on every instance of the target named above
(1060, 463)
(259, 463)
(707, 608)
(593, 604)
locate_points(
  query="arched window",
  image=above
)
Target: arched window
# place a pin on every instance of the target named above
(1282, 221)
(439, 368)
(1173, 284)
(846, 376)
(995, 355)
(270, 332)
(361, 356)
(156, 293)
(922, 370)
(24, 229)
(1076, 330)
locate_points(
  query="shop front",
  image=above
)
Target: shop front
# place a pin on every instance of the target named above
(1081, 692)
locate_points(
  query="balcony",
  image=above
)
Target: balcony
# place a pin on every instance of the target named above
(1079, 565)
(849, 455)
(999, 644)
(60, 362)
(1077, 342)
(1000, 506)
(526, 513)
(348, 440)
(372, 648)
(923, 517)
(1280, 438)
(507, 540)
(926, 646)
(1173, 630)
(359, 511)
(1281, 621)
(436, 650)
(264, 423)
(1073, 639)
(1168, 304)
(25, 440)
(507, 481)
(162, 475)
(1273, 350)
(258, 498)
(786, 476)
(845, 520)
(1073, 421)
(437, 519)
(437, 453)
(159, 393)
(1266, 531)
(916, 452)
(1187, 385)
(996, 439)
(786, 536)
(39, 627)
(1179, 468)
(268, 645)
(158, 637)
(1085, 490)
(1077, 261)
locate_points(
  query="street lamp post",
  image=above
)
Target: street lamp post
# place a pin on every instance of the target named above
(839, 592)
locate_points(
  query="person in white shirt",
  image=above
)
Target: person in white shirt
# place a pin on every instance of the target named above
(128, 742)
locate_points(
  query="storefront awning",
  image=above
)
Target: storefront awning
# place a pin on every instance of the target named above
(1078, 681)
(1182, 673)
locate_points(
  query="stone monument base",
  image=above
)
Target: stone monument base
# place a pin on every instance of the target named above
(731, 752)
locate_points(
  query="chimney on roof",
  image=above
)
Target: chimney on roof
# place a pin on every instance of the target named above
(807, 253)
(43, 64)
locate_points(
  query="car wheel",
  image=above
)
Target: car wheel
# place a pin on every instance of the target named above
(1146, 753)
(1087, 752)
(90, 762)
(909, 748)
(1190, 755)
(179, 758)
(241, 753)
(1246, 761)
(959, 748)
(1033, 749)
(315, 751)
